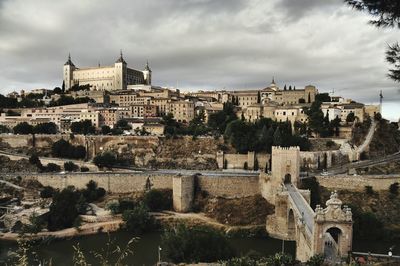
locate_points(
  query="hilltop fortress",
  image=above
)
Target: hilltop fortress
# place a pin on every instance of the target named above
(105, 78)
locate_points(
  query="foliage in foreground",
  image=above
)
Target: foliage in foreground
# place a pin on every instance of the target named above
(200, 244)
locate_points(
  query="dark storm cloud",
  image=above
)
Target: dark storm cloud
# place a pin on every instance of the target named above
(295, 10)
(199, 44)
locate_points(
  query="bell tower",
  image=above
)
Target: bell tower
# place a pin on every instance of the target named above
(68, 73)
(120, 74)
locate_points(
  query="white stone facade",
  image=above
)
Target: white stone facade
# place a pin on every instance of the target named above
(105, 78)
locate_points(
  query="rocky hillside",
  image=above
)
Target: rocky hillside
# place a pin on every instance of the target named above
(372, 212)
(251, 210)
(8, 166)
(386, 139)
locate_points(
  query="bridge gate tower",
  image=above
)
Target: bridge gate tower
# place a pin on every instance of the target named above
(333, 229)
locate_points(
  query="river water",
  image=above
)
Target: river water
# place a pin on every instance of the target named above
(145, 249)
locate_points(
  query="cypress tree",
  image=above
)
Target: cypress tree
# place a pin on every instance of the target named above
(277, 137)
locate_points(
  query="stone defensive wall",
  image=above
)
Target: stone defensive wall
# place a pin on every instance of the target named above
(358, 183)
(308, 159)
(224, 185)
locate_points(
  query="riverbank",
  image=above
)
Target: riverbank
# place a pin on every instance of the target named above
(166, 218)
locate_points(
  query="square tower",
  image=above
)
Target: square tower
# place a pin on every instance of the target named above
(286, 165)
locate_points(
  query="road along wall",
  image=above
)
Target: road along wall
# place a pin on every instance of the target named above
(142, 151)
(358, 183)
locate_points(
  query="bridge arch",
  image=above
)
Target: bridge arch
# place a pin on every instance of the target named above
(333, 245)
(291, 222)
(287, 179)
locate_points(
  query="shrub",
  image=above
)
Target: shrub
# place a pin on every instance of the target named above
(107, 159)
(350, 117)
(92, 192)
(64, 149)
(330, 144)
(47, 192)
(70, 166)
(52, 167)
(394, 188)
(63, 210)
(158, 200)
(84, 169)
(316, 260)
(23, 128)
(183, 244)
(369, 190)
(34, 160)
(137, 220)
(113, 206)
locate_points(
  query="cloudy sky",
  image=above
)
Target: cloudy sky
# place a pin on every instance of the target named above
(201, 44)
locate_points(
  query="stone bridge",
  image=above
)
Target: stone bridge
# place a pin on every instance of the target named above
(326, 231)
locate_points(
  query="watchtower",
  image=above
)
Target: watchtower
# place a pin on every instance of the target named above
(286, 165)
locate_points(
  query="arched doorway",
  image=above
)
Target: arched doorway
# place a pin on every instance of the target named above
(332, 243)
(291, 222)
(288, 179)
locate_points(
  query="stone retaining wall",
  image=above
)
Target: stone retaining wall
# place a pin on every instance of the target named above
(127, 182)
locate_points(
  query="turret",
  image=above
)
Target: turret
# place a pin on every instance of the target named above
(120, 73)
(273, 85)
(68, 70)
(147, 74)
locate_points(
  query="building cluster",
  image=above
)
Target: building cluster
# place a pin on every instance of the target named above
(118, 92)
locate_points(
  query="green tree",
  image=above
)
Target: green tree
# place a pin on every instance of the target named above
(316, 260)
(123, 124)
(57, 90)
(137, 220)
(256, 166)
(45, 128)
(196, 126)
(106, 159)
(218, 121)
(158, 200)
(199, 244)
(350, 117)
(277, 138)
(105, 130)
(63, 210)
(47, 192)
(4, 129)
(52, 167)
(34, 160)
(83, 127)
(394, 188)
(93, 192)
(279, 259)
(70, 167)
(23, 128)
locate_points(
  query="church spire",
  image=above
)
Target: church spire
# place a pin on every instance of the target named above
(69, 61)
(147, 66)
(121, 58)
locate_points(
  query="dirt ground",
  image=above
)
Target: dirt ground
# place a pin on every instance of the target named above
(251, 210)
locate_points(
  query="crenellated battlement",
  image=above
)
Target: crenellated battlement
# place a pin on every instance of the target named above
(291, 148)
